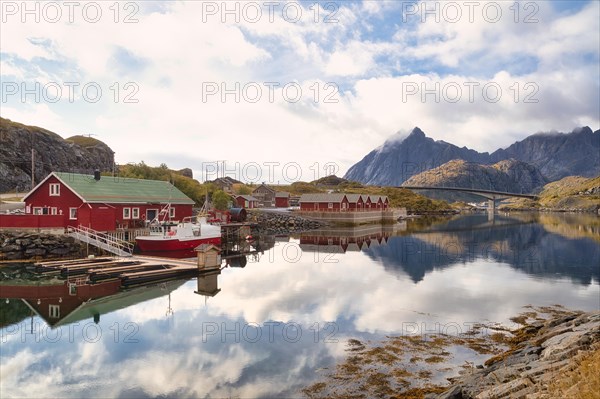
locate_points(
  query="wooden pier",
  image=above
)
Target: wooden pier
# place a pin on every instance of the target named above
(134, 270)
(131, 271)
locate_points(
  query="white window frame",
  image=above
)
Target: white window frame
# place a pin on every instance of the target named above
(330, 205)
(135, 213)
(54, 311)
(38, 210)
(54, 211)
(54, 189)
(171, 212)
(126, 213)
(72, 213)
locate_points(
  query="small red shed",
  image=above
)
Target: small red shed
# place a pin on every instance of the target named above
(356, 202)
(282, 199)
(246, 201)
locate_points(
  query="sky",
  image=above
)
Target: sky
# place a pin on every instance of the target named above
(282, 91)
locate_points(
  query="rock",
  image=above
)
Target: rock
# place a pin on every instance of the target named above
(78, 154)
(59, 251)
(519, 375)
(10, 248)
(187, 172)
(35, 252)
(31, 245)
(454, 393)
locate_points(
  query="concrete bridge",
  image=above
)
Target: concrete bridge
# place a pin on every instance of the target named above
(491, 195)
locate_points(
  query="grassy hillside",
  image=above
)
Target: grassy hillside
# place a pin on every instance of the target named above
(7, 124)
(84, 141)
(572, 192)
(190, 187)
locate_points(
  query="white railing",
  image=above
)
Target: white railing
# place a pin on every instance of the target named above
(128, 235)
(100, 240)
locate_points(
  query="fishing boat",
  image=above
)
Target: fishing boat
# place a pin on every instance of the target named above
(185, 235)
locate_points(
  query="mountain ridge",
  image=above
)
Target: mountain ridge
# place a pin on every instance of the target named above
(555, 154)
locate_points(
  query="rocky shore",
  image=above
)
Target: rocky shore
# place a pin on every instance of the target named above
(543, 353)
(282, 223)
(554, 354)
(15, 246)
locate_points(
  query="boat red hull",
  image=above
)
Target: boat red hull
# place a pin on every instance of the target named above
(174, 244)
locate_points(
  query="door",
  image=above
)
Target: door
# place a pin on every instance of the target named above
(151, 214)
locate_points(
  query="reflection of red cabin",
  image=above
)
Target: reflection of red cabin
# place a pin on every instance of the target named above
(246, 201)
(55, 302)
(324, 202)
(105, 203)
(282, 199)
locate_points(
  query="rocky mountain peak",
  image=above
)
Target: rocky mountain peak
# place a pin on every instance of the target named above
(553, 154)
(417, 133)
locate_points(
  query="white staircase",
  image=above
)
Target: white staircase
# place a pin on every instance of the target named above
(101, 240)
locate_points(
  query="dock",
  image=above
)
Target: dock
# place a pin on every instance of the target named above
(235, 232)
(131, 271)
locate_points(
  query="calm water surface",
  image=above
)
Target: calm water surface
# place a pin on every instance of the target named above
(270, 328)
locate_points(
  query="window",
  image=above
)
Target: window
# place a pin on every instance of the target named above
(330, 205)
(54, 189)
(53, 211)
(135, 213)
(37, 211)
(126, 213)
(73, 213)
(171, 212)
(54, 311)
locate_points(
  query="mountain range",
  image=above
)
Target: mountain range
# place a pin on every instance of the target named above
(527, 166)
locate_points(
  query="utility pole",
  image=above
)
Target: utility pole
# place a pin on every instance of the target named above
(32, 164)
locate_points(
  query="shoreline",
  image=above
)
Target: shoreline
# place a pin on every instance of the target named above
(535, 360)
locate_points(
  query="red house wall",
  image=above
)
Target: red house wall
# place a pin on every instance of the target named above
(181, 211)
(357, 206)
(324, 206)
(307, 206)
(41, 198)
(32, 221)
(282, 202)
(241, 203)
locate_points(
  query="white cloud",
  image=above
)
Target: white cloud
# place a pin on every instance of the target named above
(369, 53)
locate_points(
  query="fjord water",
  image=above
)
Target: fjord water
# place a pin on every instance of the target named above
(277, 323)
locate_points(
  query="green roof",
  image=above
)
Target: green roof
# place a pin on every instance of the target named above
(122, 190)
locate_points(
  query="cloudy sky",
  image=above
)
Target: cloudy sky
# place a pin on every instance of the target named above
(284, 91)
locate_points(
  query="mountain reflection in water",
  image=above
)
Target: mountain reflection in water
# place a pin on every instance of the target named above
(522, 244)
